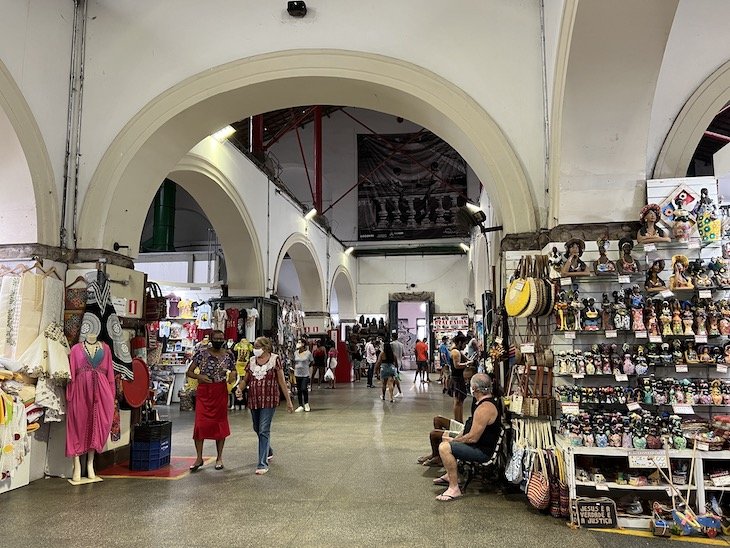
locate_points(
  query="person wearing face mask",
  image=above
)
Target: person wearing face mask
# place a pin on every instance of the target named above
(216, 366)
(302, 360)
(478, 441)
(265, 380)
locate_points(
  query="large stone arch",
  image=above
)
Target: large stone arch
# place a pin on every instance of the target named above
(152, 142)
(344, 287)
(482, 274)
(29, 210)
(689, 126)
(225, 209)
(304, 258)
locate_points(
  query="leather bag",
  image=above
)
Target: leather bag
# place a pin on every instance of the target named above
(155, 305)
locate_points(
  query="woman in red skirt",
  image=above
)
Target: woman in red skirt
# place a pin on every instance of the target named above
(216, 365)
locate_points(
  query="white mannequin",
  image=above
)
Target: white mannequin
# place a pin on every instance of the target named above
(92, 345)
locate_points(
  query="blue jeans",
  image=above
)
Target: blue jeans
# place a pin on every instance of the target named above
(371, 371)
(262, 427)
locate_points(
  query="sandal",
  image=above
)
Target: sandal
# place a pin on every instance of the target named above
(443, 497)
(424, 458)
(434, 461)
(441, 481)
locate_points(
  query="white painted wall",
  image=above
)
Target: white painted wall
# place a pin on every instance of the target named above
(446, 276)
(552, 20)
(289, 285)
(18, 215)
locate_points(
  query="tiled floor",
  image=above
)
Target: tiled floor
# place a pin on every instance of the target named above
(344, 475)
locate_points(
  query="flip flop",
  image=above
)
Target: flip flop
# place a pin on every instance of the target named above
(261, 471)
(435, 461)
(423, 459)
(195, 467)
(443, 497)
(219, 467)
(440, 481)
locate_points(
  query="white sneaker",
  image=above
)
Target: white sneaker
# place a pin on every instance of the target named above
(306, 407)
(299, 409)
(398, 395)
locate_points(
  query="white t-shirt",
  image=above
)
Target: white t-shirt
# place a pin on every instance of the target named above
(370, 355)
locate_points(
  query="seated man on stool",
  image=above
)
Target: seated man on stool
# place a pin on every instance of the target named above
(477, 443)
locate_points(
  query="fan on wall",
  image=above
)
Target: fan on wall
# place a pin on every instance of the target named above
(470, 307)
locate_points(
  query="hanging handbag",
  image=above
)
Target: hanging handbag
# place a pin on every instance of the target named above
(513, 470)
(155, 305)
(538, 488)
(518, 292)
(554, 486)
(563, 486)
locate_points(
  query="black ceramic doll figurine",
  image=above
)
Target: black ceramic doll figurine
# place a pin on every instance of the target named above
(556, 262)
(626, 263)
(653, 283)
(574, 265)
(603, 264)
(606, 313)
(650, 232)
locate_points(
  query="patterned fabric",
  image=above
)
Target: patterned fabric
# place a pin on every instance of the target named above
(9, 305)
(215, 367)
(101, 319)
(53, 290)
(264, 392)
(50, 396)
(29, 310)
(73, 314)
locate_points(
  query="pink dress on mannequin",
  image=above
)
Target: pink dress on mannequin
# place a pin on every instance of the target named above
(90, 400)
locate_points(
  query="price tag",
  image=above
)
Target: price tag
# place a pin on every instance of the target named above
(624, 279)
(693, 244)
(681, 368)
(649, 247)
(700, 338)
(611, 334)
(702, 446)
(570, 408)
(721, 479)
(579, 375)
(601, 487)
(721, 368)
(666, 294)
(634, 406)
(527, 348)
(683, 409)
(648, 459)
(705, 294)
(566, 281)
(641, 334)
(569, 334)
(655, 338)
(498, 340)
(670, 492)
(519, 284)
(622, 377)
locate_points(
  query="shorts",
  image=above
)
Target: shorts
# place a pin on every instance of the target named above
(422, 366)
(457, 388)
(463, 451)
(387, 371)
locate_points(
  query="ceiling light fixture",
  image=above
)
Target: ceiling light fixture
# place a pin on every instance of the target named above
(224, 133)
(311, 214)
(465, 247)
(474, 208)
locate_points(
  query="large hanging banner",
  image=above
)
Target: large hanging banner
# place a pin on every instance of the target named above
(412, 185)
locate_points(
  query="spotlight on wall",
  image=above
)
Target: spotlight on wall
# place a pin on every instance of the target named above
(296, 8)
(223, 134)
(311, 214)
(464, 247)
(349, 250)
(474, 208)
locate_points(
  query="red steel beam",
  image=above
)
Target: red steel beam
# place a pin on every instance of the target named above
(304, 161)
(406, 153)
(257, 136)
(287, 128)
(366, 177)
(318, 158)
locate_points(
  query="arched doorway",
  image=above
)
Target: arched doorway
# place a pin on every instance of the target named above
(297, 257)
(342, 295)
(28, 213)
(167, 128)
(231, 221)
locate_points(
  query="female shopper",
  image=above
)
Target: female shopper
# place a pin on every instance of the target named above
(215, 366)
(385, 367)
(320, 363)
(331, 366)
(459, 361)
(265, 380)
(302, 360)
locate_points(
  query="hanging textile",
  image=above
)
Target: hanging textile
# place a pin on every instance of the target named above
(29, 310)
(75, 305)
(53, 290)
(9, 305)
(48, 355)
(101, 319)
(14, 444)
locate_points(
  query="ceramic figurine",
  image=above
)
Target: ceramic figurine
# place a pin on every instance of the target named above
(652, 324)
(718, 266)
(676, 317)
(688, 320)
(626, 263)
(700, 321)
(640, 364)
(708, 224)
(561, 311)
(650, 232)
(705, 356)
(665, 320)
(590, 367)
(677, 354)
(636, 302)
(726, 354)
(713, 327)
(597, 361)
(716, 392)
(576, 306)
(555, 259)
(679, 278)
(580, 362)
(621, 318)
(591, 316)
(682, 224)
(574, 265)
(606, 313)
(628, 365)
(563, 362)
(654, 283)
(603, 265)
(605, 360)
(702, 277)
(690, 354)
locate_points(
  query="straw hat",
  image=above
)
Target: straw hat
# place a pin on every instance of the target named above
(650, 207)
(580, 243)
(681, 259)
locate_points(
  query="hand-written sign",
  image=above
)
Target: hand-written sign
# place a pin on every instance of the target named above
(596, 513)
(648, 459)
(450, 322)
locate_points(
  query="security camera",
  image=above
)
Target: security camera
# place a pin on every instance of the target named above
(412, 285)
(296, 8)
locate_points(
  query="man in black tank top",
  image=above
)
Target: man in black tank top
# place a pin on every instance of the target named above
(478, 441)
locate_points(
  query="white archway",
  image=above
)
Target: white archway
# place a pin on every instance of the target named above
(163, 131)
(304, 258)
(29, 209)
(689, 126)
(344, 288)
(225, 209)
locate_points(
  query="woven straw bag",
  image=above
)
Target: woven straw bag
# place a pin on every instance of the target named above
(518, 291)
